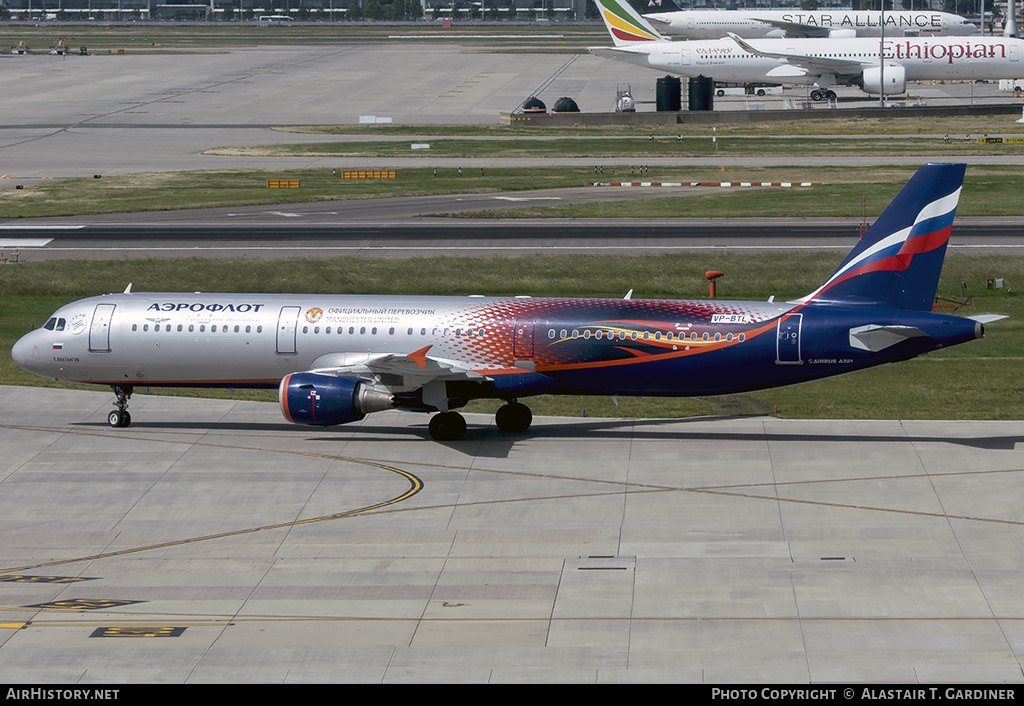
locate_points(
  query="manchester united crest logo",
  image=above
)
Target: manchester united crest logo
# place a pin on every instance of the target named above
(313, 315)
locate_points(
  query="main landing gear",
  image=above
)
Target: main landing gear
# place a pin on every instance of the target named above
(818, 95)
(119, 417)
(511, 418)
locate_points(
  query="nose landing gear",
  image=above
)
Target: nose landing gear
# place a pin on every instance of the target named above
(120, 416)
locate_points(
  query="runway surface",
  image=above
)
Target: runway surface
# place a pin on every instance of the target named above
(303, 237)
(212, 542)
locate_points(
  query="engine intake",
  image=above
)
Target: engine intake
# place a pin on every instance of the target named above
(895, 78)
(326, 400)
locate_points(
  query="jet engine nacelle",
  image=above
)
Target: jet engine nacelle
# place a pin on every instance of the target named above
(842, 33)
(326, 400)
(895, 78)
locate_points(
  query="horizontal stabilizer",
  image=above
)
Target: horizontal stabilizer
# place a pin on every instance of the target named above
(875, 337)
(987, 318)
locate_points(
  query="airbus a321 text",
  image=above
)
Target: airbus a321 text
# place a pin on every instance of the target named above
(335, 359)
(871, 65)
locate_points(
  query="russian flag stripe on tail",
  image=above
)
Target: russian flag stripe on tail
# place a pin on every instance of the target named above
(899, 259)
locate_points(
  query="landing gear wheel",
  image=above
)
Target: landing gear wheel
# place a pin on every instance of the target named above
(447, 426)
(831, 95)
(117, 418)
(120, 417)
(816, 95)
(513, 417)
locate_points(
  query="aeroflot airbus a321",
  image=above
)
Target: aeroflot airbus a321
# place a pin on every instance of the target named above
(336, 358)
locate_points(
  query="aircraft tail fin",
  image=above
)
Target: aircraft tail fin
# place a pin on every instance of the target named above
(899, 259)
(624, 24)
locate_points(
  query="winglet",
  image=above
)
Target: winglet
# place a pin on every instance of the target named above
(745, 45)
(420, 357)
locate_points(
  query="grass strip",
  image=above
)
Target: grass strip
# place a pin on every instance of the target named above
(988, 191)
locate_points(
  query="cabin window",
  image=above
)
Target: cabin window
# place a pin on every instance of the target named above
(179, 328)
(373, 331)
(742, 337)
(145, 327)
(409, 332)
(562, 333)
(248, 329)
(362, 330)
(135, 327)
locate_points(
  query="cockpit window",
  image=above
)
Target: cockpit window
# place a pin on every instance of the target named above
(50, 324)
(60, 324)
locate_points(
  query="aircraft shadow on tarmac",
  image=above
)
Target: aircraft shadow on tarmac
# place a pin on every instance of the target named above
(484, 441)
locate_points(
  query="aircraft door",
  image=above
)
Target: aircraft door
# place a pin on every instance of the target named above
(522, 346)
(787, 342)
(1014, 53)
(99, 331)
(287, 324)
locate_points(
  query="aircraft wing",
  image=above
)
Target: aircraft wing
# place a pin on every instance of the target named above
(405, 373)
(810, 64)
(399, 372)
(796, 29)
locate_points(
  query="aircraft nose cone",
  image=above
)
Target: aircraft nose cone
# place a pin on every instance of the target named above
(21, 353)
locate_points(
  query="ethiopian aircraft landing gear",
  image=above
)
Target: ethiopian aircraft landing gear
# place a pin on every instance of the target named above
(119, 417)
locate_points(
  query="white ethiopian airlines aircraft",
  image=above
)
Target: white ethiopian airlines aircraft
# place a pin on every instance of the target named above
(334, 359)
(810, 62)
(750, 24)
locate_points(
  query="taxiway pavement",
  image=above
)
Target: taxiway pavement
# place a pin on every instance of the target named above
(212, 542)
